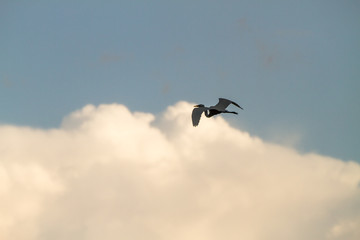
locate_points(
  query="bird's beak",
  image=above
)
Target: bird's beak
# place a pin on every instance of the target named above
(196, 106)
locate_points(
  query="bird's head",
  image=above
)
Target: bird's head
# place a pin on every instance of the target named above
(199, 105)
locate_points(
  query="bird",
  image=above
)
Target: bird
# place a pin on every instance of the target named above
(220, 107)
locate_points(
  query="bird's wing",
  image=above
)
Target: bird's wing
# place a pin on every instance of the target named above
(196, 115)
(224, 103)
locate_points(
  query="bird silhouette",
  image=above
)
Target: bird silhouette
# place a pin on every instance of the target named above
(220, 107)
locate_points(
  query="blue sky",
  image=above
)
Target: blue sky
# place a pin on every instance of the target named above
(292, 65)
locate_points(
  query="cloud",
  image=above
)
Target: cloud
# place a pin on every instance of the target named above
(109, 173)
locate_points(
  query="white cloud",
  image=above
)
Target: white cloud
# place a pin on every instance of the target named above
(108, 173)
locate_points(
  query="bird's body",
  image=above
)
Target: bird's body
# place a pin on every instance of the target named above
(220, 107)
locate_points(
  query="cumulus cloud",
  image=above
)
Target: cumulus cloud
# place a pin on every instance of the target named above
(109, 173)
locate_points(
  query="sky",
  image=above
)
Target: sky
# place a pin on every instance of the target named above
(95, 126)
(292, 65)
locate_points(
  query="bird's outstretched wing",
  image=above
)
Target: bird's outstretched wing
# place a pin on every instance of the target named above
(224, 103)
(196, 115)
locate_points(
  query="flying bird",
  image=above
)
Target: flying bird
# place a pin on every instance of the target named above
(220, 107)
